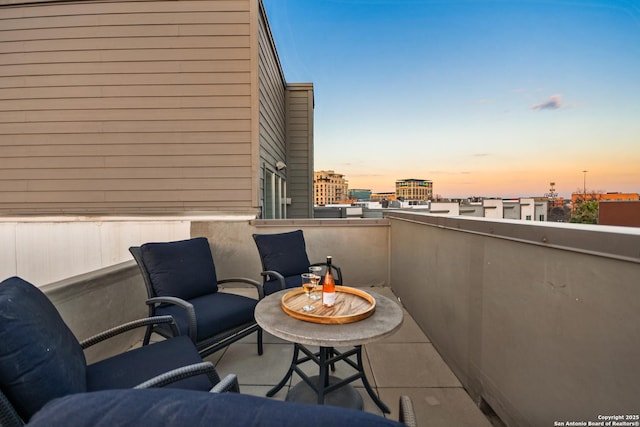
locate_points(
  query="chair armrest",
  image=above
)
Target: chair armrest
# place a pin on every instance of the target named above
(266, 274)
(191, 312)
(228, 383)
(407, 415)
(338, 271)
(127, 327)
(170, 300)
(251, 282)
(182, 373)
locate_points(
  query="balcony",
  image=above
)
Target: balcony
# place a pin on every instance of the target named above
(537, 321)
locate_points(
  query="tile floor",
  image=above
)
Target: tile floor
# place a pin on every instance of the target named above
(438, 397)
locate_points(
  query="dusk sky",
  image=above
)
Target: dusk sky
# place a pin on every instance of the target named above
(483, 97)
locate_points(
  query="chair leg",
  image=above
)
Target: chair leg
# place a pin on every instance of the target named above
(260, 349)
(331, 354)
(147, 335)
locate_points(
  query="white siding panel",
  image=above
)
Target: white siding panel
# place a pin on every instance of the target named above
(44, 252)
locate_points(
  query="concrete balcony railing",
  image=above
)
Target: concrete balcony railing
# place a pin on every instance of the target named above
(540, 321)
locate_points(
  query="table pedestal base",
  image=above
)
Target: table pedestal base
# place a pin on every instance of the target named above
(346, 396)
(324, 386)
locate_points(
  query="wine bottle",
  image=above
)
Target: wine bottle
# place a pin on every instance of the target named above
(328, 287)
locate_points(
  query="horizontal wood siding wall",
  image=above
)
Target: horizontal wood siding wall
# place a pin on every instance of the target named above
(272, 104)
(112, 107)
(300, 149)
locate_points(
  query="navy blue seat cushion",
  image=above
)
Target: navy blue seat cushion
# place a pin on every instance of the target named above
(215, 313)
(40, 358)
(182, 269)
(164, 407)
(285, 253)
(127, 370)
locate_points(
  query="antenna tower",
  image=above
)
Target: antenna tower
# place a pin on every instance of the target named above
(552, 191)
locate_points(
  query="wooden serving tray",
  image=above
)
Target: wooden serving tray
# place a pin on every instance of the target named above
(351, 305)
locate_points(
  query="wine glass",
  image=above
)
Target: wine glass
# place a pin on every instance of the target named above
(315, 271)
(307, 285)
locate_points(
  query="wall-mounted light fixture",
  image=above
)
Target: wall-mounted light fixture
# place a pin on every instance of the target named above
(280, 165)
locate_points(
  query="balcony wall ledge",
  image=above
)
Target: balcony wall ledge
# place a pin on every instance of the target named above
(622, 243)
(99, 300)
(325, 222)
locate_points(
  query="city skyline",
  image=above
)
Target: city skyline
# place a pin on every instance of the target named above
(551, 192)
(490, 98)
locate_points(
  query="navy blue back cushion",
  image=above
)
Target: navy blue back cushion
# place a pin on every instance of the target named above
(285, 253)
(170, 408)
(182, 269)
(40, 358)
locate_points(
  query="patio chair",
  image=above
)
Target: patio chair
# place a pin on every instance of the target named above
(181, 281)
(169, 408)
(41, 359)
(284, 258)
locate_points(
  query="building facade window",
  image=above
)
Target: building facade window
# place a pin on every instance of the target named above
(329, 188)
(414, 189)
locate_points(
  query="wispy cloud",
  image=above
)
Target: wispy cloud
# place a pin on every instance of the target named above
(553, 103)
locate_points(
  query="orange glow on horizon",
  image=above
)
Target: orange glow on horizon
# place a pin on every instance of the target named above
(505, 183)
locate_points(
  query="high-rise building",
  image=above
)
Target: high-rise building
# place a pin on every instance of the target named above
(329, 187)
(414, 189)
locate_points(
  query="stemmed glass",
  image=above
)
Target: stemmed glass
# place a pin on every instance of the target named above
(307, 285)
(315, 271)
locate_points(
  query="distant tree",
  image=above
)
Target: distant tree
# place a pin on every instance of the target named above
(559, 214)
(586, 212)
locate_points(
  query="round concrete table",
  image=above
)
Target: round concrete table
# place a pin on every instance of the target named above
(385, 320)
